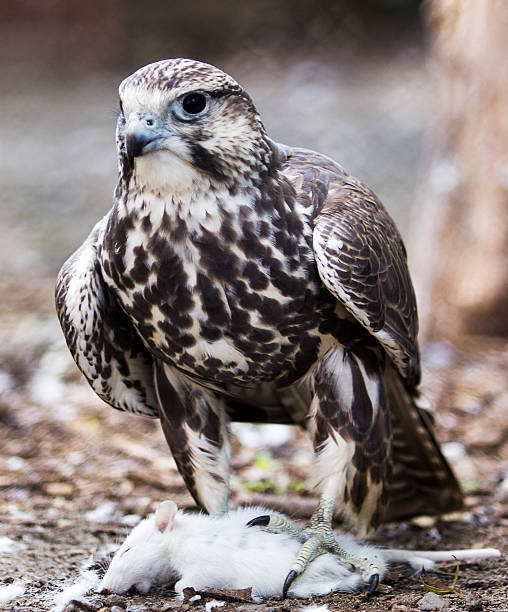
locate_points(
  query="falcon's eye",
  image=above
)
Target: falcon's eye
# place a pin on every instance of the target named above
(191, 105)
(194, 103)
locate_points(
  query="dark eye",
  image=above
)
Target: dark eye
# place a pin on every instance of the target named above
(194, 103)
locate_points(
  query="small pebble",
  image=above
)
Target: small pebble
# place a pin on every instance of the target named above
(424, 521)
(502, 491)
(432, 601)
(214, 604)
(8, 546)
(117, 609)
(453, 450)
(114, 600)
(474, 603)
(14, 463)
(103, 513)
(58, 489)
(434, 534)
(78, 606)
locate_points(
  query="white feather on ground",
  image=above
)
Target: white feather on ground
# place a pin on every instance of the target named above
(213, 604)
(8, 546)
(88, 579)
(11, 591)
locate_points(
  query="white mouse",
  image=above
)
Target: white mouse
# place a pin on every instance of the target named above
(222, 552)
(200, 551)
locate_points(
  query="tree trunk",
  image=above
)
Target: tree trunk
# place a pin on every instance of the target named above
(460, 232)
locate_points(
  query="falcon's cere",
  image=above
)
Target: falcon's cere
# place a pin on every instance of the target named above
(238, 279)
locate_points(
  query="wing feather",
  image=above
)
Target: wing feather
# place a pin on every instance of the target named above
(362, 261)
(360, 255)
(102, 340)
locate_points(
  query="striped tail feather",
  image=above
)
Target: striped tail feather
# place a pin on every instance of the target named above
(422, 481)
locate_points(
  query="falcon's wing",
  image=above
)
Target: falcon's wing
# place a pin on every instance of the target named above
(359, 253)
(101, 339)
(362, 261)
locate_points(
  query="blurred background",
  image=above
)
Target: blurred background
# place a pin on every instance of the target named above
(352, 84)
(408, 96)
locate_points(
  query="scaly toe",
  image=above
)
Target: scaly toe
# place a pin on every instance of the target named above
(317, 538)
(276, 523)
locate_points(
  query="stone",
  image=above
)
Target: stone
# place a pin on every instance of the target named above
(432, 601)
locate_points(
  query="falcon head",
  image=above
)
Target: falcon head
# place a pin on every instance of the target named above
(182, 120)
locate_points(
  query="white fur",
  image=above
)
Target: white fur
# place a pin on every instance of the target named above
(221, 552)
(88, 580)
(427, 559)
(204, 551)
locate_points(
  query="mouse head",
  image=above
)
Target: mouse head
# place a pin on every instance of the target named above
(144, 558)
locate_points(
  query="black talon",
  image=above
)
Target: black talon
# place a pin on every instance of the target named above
(288, 582)
(259, 520)
(373, 582)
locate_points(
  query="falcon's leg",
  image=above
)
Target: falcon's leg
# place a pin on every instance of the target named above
(351, 429)
(195, 425)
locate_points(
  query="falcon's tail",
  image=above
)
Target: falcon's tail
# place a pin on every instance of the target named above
(422, 480)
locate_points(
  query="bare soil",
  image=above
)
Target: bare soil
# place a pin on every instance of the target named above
(63, 454)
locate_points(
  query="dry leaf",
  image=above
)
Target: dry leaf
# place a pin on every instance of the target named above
(243, 595)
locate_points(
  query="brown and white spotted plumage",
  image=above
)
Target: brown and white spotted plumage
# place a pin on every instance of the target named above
(239, 279)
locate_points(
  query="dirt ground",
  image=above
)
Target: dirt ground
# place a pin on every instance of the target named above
(74, 473)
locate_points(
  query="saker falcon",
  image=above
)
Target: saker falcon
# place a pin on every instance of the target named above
(238, 279)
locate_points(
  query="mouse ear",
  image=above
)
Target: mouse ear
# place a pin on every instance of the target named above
(165, 515)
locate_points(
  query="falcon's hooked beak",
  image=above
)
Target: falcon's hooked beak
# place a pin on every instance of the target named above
(143, 133)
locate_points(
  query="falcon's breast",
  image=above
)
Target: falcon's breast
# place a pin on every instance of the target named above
(234, 295)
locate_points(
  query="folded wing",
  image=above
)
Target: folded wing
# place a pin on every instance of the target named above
(99, 335)
(362, 261)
